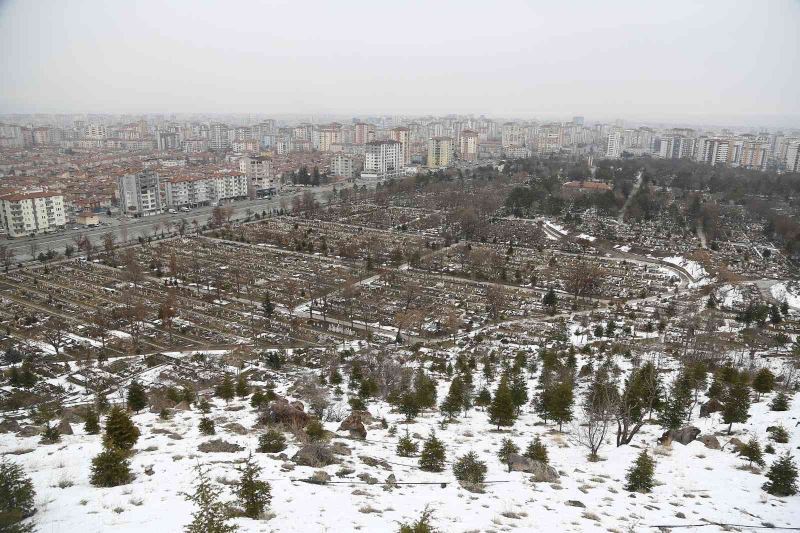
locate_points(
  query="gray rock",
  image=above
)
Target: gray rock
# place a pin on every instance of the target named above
(320, 477)
(314, 455)
(542, 472)
(711, 406)
(575, 503)
(29, 431)
(367, 478)
(354, 425)
(710, 441)
(8, 426)
(219, 446)
(683, 436)
(64, 428)
(236, 428)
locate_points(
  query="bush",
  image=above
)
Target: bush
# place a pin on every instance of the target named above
(110, 468)
(16, 498)
(211, 515)
(780, 402)
(506, 449)
(752, 452)
(253, 493)
(91, 422)
(257, 399)
(120, 431)
(206, 426)
(470, 469)
(423, 525)
(433, 455)
(204, 406)
(50, 435)
(640, 476)
(137, 397)
(779, 434)
(314, 430)
(272, 441)
(406, 447)
(782, 477)
(537, 451)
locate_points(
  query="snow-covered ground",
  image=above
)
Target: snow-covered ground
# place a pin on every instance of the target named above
(788, 291)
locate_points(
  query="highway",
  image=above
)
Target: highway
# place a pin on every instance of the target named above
(134, 228)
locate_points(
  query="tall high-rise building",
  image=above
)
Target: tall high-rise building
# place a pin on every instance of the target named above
(364, 133)
(614, 144)
(792, 160)
(468, 145)
(218, 136)
(402, 135)
(440, 152)
(382, 160)
(513, 135)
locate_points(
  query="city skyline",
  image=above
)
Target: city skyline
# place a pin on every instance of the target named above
(677, 64)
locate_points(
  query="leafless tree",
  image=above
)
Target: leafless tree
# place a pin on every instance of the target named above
(54, 332)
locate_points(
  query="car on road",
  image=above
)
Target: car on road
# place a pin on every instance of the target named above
(172, 212)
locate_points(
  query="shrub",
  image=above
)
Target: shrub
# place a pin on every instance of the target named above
(537, 451)
(137, 397)
(780, 402)
(272, 441)
(253, 493)
(120, 431)
(314, 430)
(752, 452)
(423, 525)
(257, 398)
(433, 455)
(50, 435)
(164, 414)
(506, 449)
(16, 498)
(110, 468)
(779, 434)
(206, 426)
(470, 469)
(406, 447)
(91, 422)
(640, 476)
(204, 406)
(782, 477)
(212, 514)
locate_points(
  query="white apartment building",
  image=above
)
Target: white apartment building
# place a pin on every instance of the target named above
(513, 135)
(195, 146)
(219, 136)
(676, 147)
(23, 214)
(344, 165)
(193, 191)
(614, 144)
(792, 161)
(382, 160)
(440, 152)
(329, 135)
(468, 145)
(140, 193)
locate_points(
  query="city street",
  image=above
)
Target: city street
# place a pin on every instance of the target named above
(133, 228)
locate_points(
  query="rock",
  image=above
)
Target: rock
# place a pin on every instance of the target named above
(219, 446)
(148, 470)
(391, 480)
(320, 477)
(366, 417)
(371, 461)
(64, 428)
(29, 431)
(354, 425)
(736, 444)
(710, 441)
(345, 471)
(542, 472)
(576, 503)
(340, 448)
(9, 426)
(680, 515)
(683, 436)
(236, 428)
(282, 412)
(711, 406)
(183, 406)
(367, 478)
(314, 455)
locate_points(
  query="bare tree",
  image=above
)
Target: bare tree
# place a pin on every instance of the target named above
(101, 324)
(109, 247)
(54, 332)
(6, 256)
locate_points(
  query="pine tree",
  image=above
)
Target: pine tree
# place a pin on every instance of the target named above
(91, 422)
(111, 468)
(763, 382)
(507, 447)
(778, 434)
(782, 477)
(453, 402)
(406, 447)
(137, 396)
(501, 410)
(211, 515)
(536, 450)
(253, 493)
(204, 406)
(483, 398)
(675, 410)
(120, 432)
(555, 403)
(433, 455)
(206, 426)
(225, 389)
(736, 403)
(752, 452)
(242, 387)
(423, 525)
(257, 399)
(550, 301)
(519, 391)
(780, 402)
(640, 476)
(272, 441)
(267, 307)
(16, 498)
(409, 405)
(470, 469)
(425, 388)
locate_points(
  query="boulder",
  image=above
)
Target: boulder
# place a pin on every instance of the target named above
(542, 472)
(576, 503)
(29, 431)
(282, 412)
(183, 406)
(219, 446)
(9, 426)
(683, 436)
(320, 477)
(64, 428)
(354, 425)
(711, 406)
(736, 444)
(315, 456)
(235, 427)
(710, 441)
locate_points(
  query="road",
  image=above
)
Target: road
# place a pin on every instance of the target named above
(127, 229)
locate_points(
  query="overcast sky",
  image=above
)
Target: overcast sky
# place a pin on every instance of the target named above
(675, 60)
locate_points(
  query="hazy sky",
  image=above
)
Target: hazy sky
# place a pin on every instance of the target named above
(639, 59)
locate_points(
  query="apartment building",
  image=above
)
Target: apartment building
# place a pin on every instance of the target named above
(364, 133)
(402, 135)
(259, 173)
(193, 191)
(140, 193)
(344, 165)
(791, 162)
(195, 146)
(382, 160)
(614, 144)
(27, 213)
(512, 135)
(468, 145)
(329, 135)
(440, 152)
